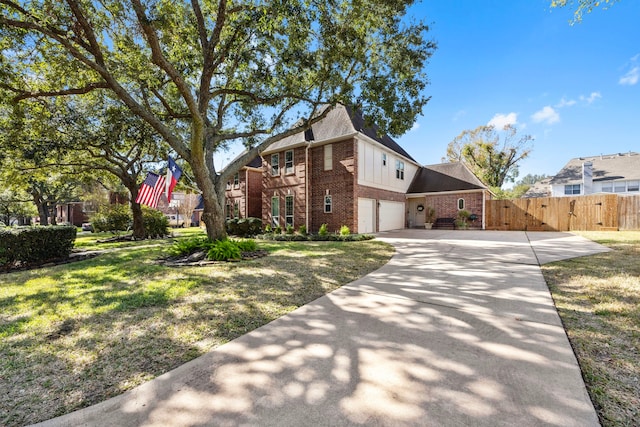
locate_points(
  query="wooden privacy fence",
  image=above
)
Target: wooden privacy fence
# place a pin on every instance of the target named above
(596, 212)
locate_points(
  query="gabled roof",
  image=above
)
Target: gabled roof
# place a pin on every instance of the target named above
(539, 189)
(341, 121)
(444, 177)
(623, 166)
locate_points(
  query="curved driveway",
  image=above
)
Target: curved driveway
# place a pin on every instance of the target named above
(458, 329)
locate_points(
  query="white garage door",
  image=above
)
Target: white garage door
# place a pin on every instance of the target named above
(366, 215)
(391, 215)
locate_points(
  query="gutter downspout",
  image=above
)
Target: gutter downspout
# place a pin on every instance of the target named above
(484, 209)
(307, 186)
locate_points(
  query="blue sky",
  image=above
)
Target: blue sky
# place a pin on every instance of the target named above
(575, 89)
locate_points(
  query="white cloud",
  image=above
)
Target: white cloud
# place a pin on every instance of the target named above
(415, 126)
(547, 115)
(631, 78)
(499, 121)
(565, 103)
(589, 99)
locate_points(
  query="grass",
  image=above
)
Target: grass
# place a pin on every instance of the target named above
(598, 298)
(76, 334)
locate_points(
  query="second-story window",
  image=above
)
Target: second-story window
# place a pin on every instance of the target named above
(275, 164)
(328, 157)
(236, 180)
(288, 162)
(384, 159)
(399, 169)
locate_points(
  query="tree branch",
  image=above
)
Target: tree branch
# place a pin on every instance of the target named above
(75, 91)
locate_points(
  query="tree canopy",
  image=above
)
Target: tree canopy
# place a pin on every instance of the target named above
(491, 155)
(582, 6)
(204, 74)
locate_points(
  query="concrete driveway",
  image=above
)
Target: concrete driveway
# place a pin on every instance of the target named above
(458, 329)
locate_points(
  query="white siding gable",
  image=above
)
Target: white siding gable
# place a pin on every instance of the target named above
(372, 172)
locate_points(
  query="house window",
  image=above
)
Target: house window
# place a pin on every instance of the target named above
(236, 180)
(227, 210)
(399, 169)
(384, 159)
(288, 210)
(236, 210)
(328, 157)
(607, 187)
(461, 204)
(275, 211)
(633, 186)
(275, 164)
(228, 185)
(288, 162)
(570, 189)
(619, 186)
(328, 204)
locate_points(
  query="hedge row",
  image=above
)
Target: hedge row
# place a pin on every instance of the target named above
(314, 237)
(35, 244)
(244, 227)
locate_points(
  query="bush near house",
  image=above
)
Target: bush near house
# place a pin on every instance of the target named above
(244, 227)
(35, 244)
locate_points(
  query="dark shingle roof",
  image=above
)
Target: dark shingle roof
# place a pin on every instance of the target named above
(444, 177)
(605, 168)
(341, 121)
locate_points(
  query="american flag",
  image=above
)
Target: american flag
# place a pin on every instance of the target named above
(151, 190)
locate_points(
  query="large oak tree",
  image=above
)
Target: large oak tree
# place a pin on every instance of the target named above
(221, 71)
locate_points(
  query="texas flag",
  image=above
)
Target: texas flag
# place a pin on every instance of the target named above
(173, 175)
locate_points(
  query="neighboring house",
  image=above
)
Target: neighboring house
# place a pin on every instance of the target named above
(243, 197)
(71, 213)
(448, 188)
(339, 172)
(612, 173)
(541, 188)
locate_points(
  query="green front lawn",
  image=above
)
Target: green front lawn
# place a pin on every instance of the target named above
(73, 335)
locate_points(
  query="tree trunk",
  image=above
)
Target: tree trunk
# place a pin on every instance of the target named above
(213, 218)
(138, 222)
(43, 212)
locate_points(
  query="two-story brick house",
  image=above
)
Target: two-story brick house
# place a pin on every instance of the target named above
(339, 172)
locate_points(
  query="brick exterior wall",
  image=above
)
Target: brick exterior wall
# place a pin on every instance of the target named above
(446, 205)
(340, 183)
(248, 194)
(283, 185)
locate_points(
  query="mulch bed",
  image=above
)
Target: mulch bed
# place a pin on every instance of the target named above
(199, 259)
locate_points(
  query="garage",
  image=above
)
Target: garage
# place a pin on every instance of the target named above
(391, 215)
(366, 215)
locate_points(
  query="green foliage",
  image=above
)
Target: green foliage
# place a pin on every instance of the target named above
(189, 246)
(583, 6)
(254, 68)
(244, 227)
(323, 231)
(268, 229)
(429, 215)
(289, 229)
(224, 250)
(344, 231)
(35, 244)
(155, 223)
(112, 218)
(277, 230)
(302, 230)
(246, 245)
(462, 220)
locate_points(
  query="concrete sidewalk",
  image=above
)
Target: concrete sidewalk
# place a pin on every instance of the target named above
(458, 329)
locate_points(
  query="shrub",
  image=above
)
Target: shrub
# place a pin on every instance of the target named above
(244, 227)
(268, 229)
(112, 218)
(344, 231)
(189, 246)
(463, 218)
(224, 250)
(277, 230)
(246, 245)
(323, 230)
(289, 229)
(156, 224)
(36, 244)
(302, 230)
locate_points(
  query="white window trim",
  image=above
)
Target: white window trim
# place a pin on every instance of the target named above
(464, 204)
(328, 198)
(275, 168)
(288, 169)
(288, 216)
